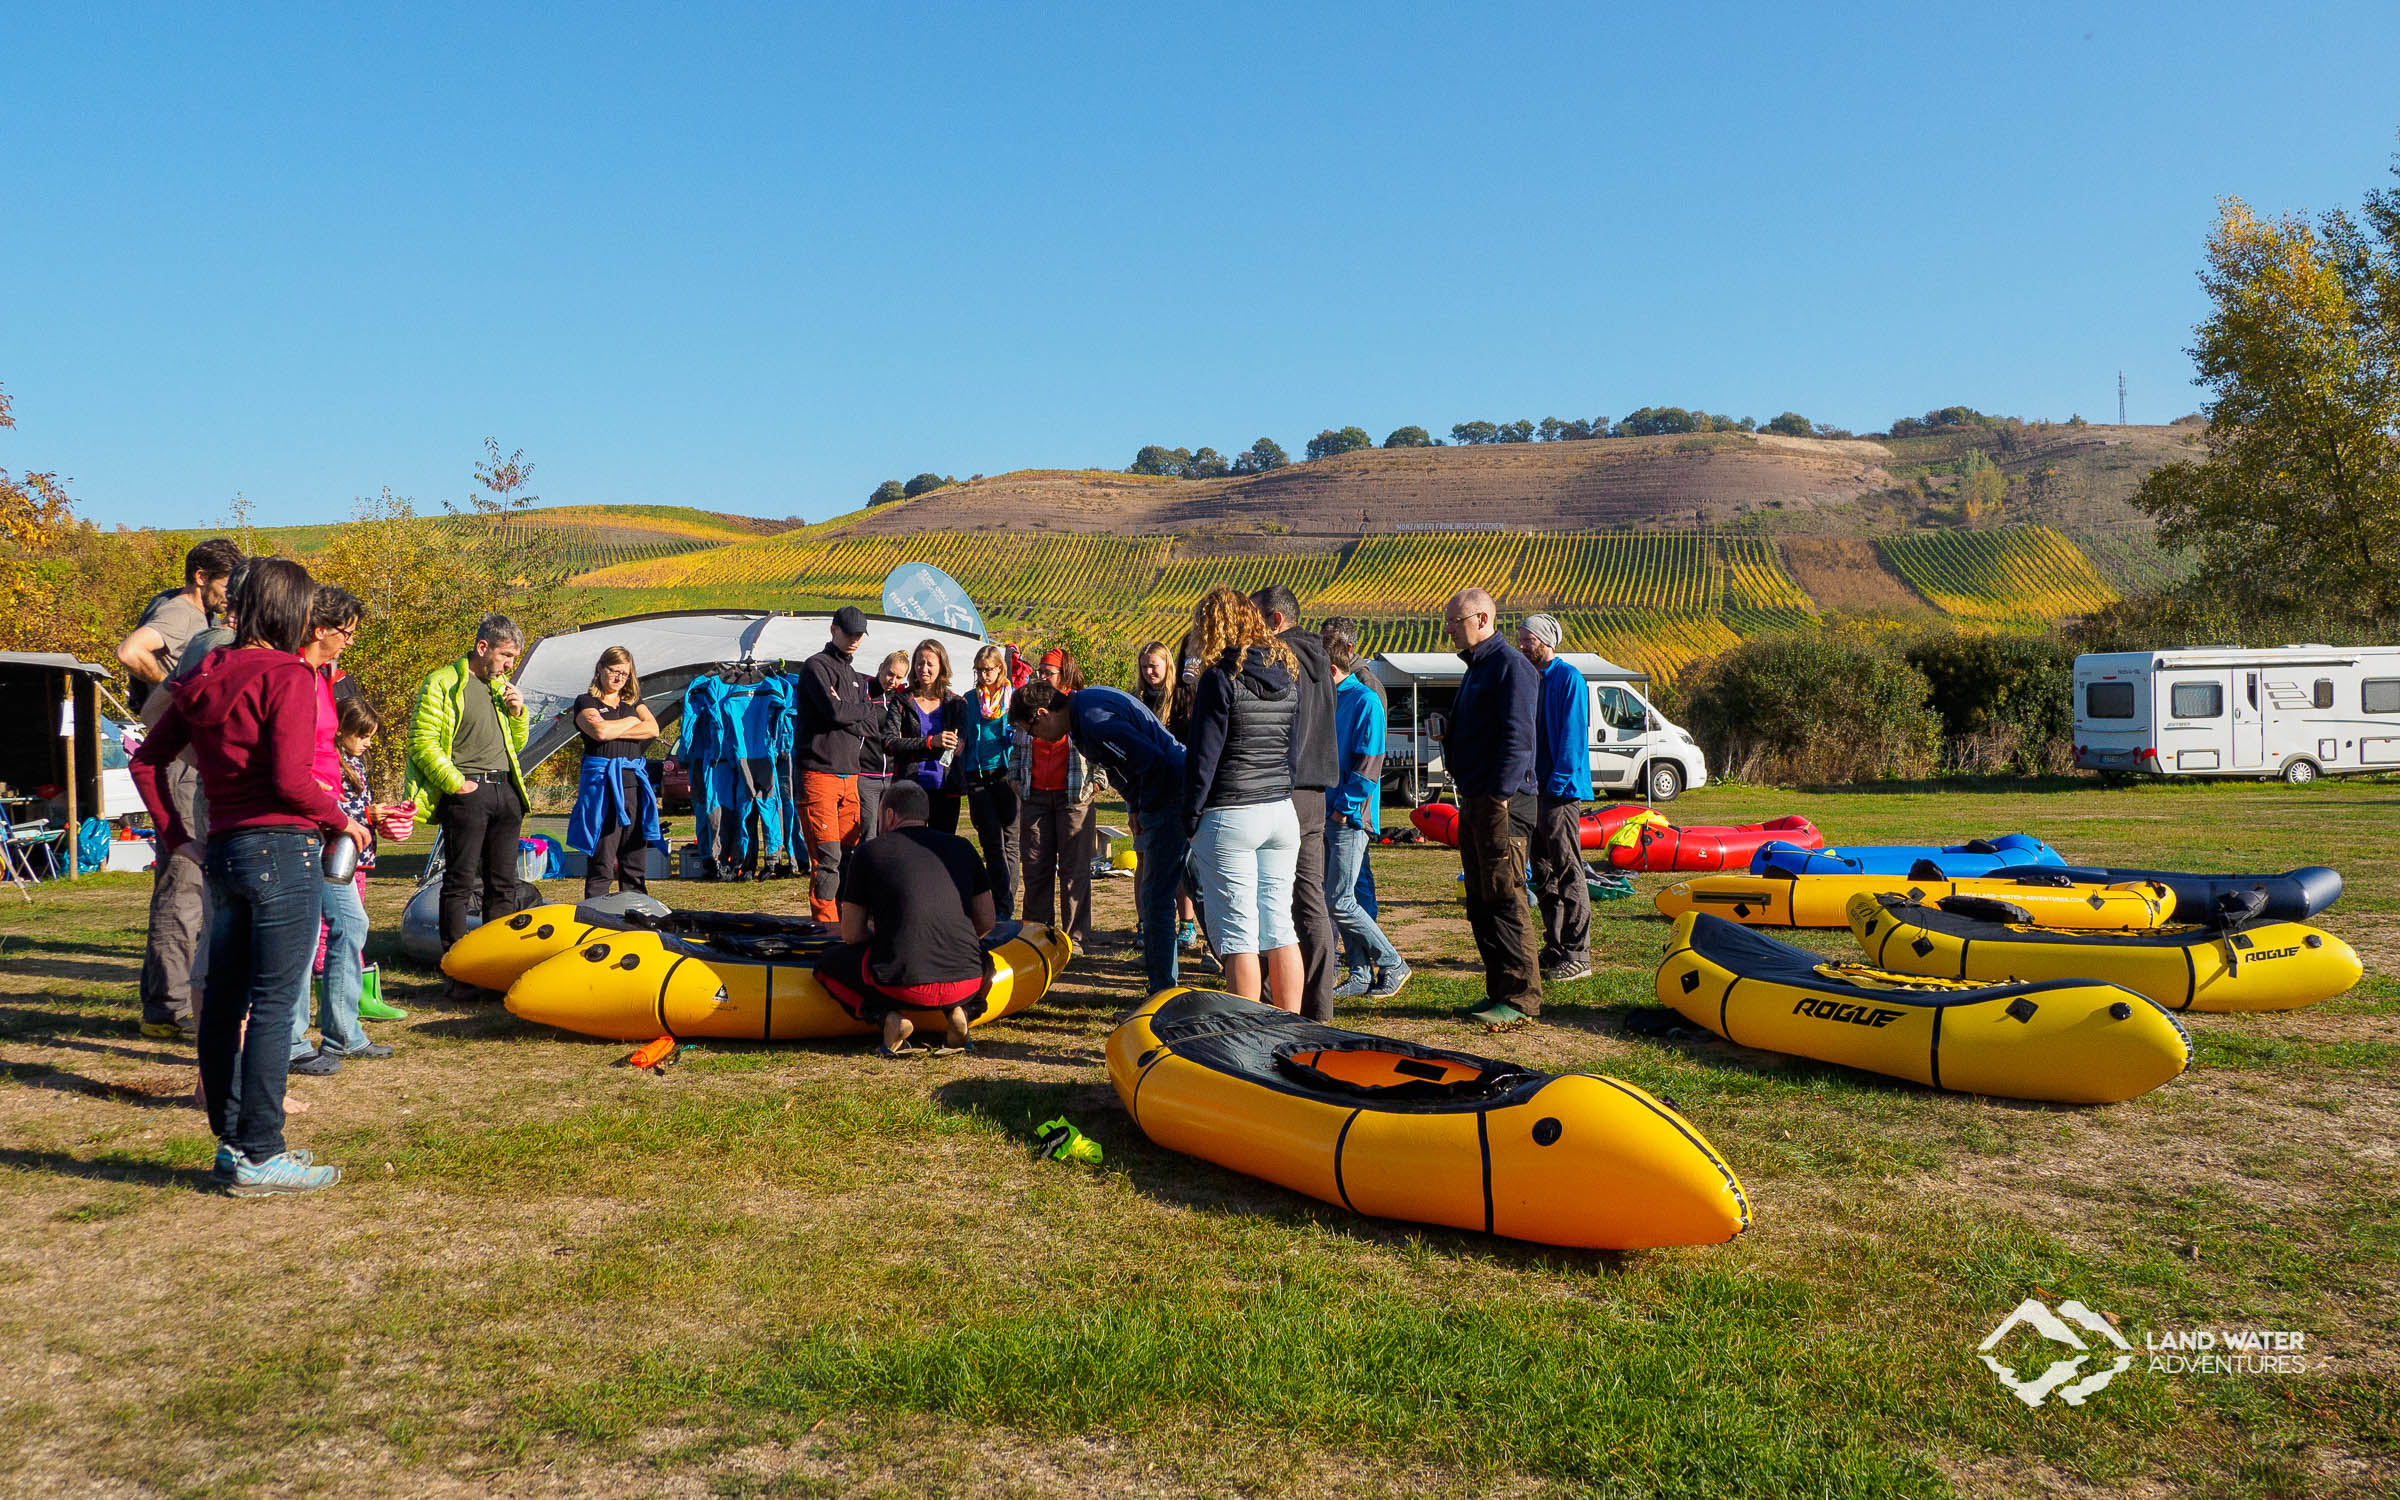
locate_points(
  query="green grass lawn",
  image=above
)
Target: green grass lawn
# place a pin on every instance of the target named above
(794, 1270)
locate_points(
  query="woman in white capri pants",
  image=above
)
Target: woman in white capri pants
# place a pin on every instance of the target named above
(1237, 796)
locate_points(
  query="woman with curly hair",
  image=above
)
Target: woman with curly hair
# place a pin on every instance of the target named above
(1237, 796)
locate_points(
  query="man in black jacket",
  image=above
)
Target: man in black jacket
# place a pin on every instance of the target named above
(1488, 747)
(1315, 768)
(835, 715)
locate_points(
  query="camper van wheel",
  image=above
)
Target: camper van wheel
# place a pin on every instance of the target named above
(1666, 780)
(2300, 773)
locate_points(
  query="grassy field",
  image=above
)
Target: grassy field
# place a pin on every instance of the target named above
(795, 1271)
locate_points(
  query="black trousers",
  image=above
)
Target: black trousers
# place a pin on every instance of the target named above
(1491, 849)
(994, 808)
(1558, 882)
(479, 851)
(619, 853)
(1319, 946)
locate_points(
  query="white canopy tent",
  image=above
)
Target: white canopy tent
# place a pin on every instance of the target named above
(671, 649)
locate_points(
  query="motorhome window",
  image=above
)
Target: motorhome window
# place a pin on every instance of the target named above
(2108, 700)
(2324, 694)
(2196, 700)
(1618, 710)
(2380, 695)
(2251, 687)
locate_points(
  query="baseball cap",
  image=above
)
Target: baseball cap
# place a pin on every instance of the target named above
(850, 620)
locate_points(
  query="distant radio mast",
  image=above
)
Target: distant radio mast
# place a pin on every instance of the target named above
(2120, 398)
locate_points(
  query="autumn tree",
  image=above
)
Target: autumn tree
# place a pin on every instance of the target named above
(426, 580)
(2298, 498)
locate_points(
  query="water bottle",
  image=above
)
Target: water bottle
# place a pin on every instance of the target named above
(341, 858)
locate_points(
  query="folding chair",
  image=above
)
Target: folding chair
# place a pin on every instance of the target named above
(21, 842)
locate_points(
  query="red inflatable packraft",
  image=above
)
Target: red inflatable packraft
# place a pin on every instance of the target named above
(1695, 850)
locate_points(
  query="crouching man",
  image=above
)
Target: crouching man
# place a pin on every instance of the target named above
(915, 903)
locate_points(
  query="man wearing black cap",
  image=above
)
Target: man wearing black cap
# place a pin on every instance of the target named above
(835, 715)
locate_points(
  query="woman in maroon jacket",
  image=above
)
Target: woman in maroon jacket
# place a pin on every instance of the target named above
(249, 715)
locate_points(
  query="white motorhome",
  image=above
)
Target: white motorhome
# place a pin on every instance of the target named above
(2295, 712)
(1634, 750)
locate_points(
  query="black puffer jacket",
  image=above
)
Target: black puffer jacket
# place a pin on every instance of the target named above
(1243, 711)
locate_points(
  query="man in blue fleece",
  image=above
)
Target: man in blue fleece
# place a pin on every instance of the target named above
(1145, 764)
(1562, 774)
(1488, 745)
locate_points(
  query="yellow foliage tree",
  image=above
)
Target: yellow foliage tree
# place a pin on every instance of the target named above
(2298, 500)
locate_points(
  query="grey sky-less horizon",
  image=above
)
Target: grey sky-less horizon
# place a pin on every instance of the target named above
(758, 259)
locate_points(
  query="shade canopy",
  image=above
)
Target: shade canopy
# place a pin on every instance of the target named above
(671, 649)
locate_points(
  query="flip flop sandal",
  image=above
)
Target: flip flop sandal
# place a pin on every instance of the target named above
(963, 1049)
(905, 1049)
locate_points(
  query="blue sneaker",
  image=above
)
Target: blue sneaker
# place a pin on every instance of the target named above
(288, 1173)
(229, 1160)
(1354, 984)
(1387, 983)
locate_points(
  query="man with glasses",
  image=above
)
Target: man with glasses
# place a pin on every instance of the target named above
(1488, 745)
(159, 648)
(463, 744)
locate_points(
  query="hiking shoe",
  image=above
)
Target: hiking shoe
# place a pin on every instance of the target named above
(1189, 935)
(170, 1025)
(376, 1010)
(1388, 983)
(1498, 1015)
(370, 1051)
(1354, 984)
(229, 1161)
(1572, 969)
(317, 1064)
(291, 1172)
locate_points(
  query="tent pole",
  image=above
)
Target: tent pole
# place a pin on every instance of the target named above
(69, 727)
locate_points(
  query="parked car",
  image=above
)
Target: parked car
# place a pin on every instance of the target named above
(673, 784)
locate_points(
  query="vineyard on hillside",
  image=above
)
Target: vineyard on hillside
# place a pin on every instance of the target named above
(1653, 600)
(2016, 574)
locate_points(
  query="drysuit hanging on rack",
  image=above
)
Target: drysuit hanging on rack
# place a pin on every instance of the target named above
(736, 723)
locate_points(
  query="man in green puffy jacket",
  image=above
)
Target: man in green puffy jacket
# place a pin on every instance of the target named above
(462, 772)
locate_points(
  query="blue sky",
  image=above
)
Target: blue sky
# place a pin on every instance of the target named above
(760, 258)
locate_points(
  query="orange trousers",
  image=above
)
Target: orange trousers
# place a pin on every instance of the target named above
(829, 821)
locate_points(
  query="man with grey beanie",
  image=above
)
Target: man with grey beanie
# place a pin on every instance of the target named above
(1562, 776)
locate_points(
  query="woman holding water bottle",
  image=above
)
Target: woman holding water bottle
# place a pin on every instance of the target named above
(920, 733)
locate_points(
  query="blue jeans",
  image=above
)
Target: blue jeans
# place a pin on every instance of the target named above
(1354, 956)
(345, 962)
(1345, 852)
(263, 909)
(1161, 847)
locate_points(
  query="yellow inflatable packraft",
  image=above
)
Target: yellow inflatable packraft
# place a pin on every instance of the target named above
(2067, 1041)
(1395, 1130)
(494, 954)
(637, 985)
(1824, 900)
(2263, 966)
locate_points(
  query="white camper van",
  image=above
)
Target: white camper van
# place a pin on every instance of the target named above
(2298, 712)
(1634, 750)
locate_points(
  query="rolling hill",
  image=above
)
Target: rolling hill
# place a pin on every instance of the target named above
(1655, 551)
